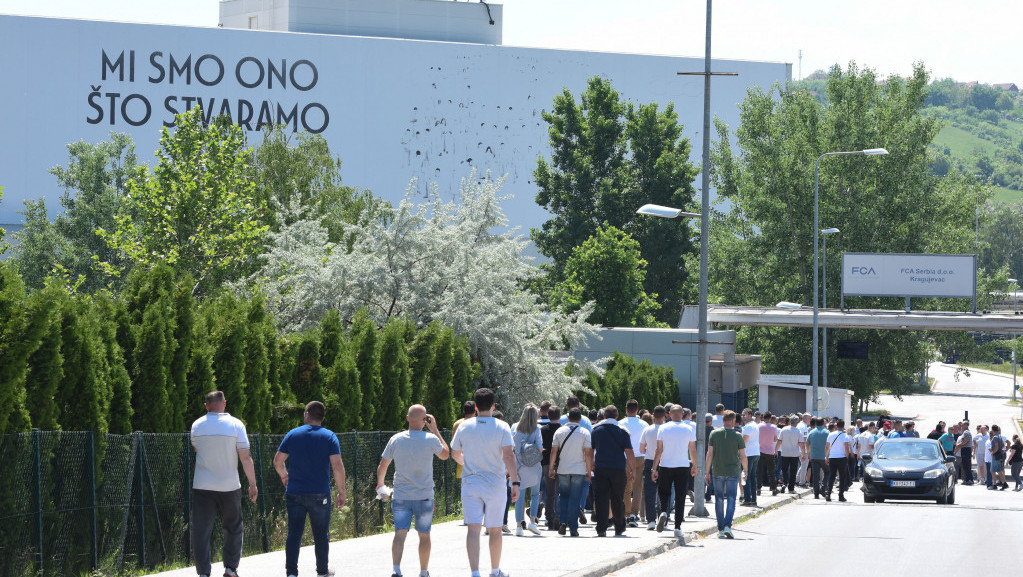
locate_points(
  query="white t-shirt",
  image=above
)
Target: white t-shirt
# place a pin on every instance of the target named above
(675, 439)
(790, 439)
(838, 441)
(635, 427)
(753, 444)
(571, 454)
(866, 443)
(982, 450)
(482, 441)
(217, 438)
(648, 438)
(717, 421)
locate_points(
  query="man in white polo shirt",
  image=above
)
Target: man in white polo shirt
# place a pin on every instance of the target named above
(220, 441)
(672, 466)
(634, 484)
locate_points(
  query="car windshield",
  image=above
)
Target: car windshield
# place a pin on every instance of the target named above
(908, 451)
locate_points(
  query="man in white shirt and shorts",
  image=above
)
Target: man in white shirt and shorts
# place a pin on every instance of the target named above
(484, 448)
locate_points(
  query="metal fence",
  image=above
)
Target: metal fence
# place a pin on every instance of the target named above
(74, 502)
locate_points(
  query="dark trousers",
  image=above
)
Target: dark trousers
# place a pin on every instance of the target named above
(789, 468)
(765, 470)
(649, 491)
(550, 498)
(205, 505)
(840, 471)
(967, 460)
(677, 477)
(609, 487)
(317, 507)
(818, 474)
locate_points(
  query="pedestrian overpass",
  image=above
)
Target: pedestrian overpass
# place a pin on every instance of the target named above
(996, 322)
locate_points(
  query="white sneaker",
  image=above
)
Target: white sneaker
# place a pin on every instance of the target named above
(662, 520)
(651, 526)
(518, 530)
(532, 528)
(721, 535)
(329, 573)
(679, 534)
(728, 533)
(501, 574)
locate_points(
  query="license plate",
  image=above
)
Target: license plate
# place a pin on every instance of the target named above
(903, 483)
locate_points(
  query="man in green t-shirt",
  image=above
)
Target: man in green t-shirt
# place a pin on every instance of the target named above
(726, 453)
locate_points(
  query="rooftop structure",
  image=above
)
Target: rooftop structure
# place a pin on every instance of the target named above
(441, 20)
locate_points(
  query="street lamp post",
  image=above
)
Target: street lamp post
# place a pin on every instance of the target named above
(702, 359)
(816, 255)
(1014, 336)
(824, 331)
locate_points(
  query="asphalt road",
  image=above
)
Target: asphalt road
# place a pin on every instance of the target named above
(895, 538)
(984, 395)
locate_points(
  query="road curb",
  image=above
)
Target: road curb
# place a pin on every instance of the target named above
(619, 562)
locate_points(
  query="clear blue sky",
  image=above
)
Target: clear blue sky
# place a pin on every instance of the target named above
(962, 40)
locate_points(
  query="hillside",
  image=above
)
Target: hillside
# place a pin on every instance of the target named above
(982, 132)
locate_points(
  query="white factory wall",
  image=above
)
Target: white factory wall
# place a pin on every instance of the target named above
(393, 110)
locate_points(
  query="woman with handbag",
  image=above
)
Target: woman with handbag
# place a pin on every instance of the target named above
(528, 453)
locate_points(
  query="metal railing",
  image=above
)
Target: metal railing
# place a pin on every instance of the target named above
(74, 502)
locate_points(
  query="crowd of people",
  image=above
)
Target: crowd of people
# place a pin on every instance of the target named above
(556, 463)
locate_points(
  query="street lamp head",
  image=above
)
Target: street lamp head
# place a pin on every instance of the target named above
(664, 211)
(830, 231)
(875, 152)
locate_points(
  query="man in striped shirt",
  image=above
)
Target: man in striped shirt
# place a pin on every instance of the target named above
(219, 441)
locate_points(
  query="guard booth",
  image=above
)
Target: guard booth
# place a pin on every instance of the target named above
(787, 394)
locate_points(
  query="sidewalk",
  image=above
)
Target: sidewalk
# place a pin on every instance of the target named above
(545, 555)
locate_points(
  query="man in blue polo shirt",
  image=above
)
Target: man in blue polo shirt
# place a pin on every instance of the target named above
(313, 453)
(612, 446)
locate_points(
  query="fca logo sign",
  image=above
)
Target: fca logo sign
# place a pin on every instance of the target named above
(864, 270)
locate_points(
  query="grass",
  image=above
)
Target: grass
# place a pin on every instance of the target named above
(994, 367)
(1006, 195)
(961, 143)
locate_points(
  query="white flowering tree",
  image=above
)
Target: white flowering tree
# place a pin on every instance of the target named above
(456, 262)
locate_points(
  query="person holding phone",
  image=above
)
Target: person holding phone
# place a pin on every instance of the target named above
(412, 452)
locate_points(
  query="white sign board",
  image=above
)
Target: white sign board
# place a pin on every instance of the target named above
(391, 109)
(909, 275)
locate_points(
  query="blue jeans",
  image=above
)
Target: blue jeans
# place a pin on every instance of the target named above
(725, 488)
(749, 490)
(534, 502)
(317, 507)
(584, 494)
(404, 510)
(570, 487)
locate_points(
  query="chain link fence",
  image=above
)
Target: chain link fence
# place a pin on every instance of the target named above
(76, 502)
